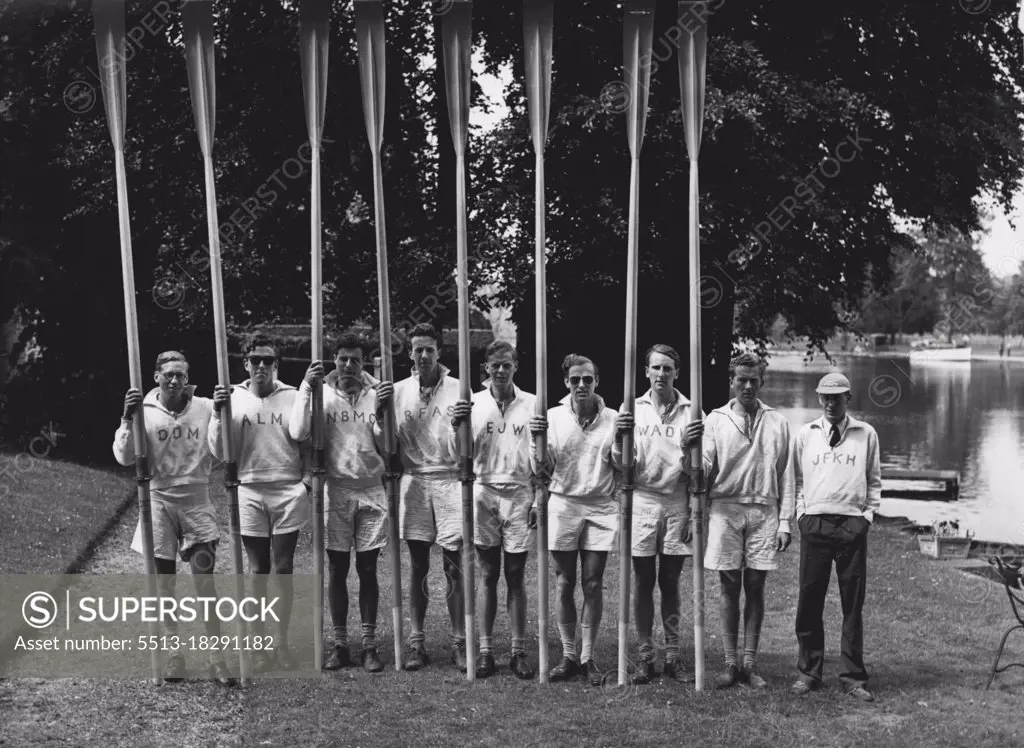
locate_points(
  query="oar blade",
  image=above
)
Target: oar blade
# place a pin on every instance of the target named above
(197, 20)
(693, 45)
(372, 66)
(456, 38)
(314, 29)
(538, 25)
(638, 38)
(108, 20)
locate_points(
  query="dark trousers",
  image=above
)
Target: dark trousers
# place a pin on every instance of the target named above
(825, 538)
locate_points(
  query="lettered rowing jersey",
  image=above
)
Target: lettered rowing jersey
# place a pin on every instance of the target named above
(353, 439)
(501, 441)
(177, 444)
(265, 450)
(659, 444)
(424, 424)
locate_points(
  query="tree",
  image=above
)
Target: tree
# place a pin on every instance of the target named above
(808, 113)
(814, 142)
(59, 254)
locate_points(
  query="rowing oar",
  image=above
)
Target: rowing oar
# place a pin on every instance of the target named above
(638, 37)
(197, 18)
(538, 23)
(457, 36)
(692, 57)
(370, 40)
(109, 16)
(313, 30)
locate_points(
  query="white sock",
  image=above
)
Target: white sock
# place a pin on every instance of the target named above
(567, 632)
(587, 633)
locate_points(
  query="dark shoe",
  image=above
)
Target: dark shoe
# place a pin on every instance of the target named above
(416, 658)
(262, 662)
(729, 678)
(750, 677)
(174, 671)
(592, 673)
(802, 687)
(861, 693)
(285, 660)
(486, 667)
(371, 660)
(338, 658)
(643, 674)
(459, 655)
(565, 669)
(220, 674)
(674, 669)
(520, 666)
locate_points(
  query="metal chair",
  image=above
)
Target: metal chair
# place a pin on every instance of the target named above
(1011, 578)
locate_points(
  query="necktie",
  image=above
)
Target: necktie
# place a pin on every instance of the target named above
(834, 438)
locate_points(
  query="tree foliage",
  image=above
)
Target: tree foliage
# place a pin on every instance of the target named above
(923, 96)
(825, 124)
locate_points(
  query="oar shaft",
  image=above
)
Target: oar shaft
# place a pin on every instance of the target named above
(128, 282)
(316, 261)
(216, 282)
(466, 429)
(628, 403)
(319, 471)
(697, 495)
(224, 379)
(390, 434)
(541, 322)
(135, 377)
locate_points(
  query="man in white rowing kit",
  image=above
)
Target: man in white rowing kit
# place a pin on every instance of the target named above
(751, 495)
(273, 501)
(503, 497)
(661, 510)
(583, 515)
(184, 518)
(430, 496)
(355, 502)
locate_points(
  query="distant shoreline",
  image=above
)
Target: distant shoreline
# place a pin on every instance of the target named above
(1015, 358)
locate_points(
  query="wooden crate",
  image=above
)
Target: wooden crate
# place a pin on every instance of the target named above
(938, 546)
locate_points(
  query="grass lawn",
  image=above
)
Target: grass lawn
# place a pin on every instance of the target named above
(931, 633)
(52, 510)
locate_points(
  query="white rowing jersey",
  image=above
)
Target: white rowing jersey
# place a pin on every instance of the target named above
(180, 459)
(353, 438)
(501, 441)
(582, 455)
(264, 449)
(424, 424)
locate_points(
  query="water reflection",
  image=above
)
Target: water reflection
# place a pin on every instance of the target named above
(933, 415)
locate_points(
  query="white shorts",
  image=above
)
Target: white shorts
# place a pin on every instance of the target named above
(582, 523)
(430, 510)
(275, 508)
(659, 521)
(180, 522)
(355, 517)
(502, 517)
(741, 535)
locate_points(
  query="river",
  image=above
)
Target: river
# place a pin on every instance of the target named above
(944, 416)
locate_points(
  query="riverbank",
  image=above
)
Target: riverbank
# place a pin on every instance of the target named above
(931, 632)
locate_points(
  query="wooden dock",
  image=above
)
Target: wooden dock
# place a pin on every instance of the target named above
(949, 478)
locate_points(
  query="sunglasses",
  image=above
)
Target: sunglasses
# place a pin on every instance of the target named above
(267, 361)
(576, 380)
